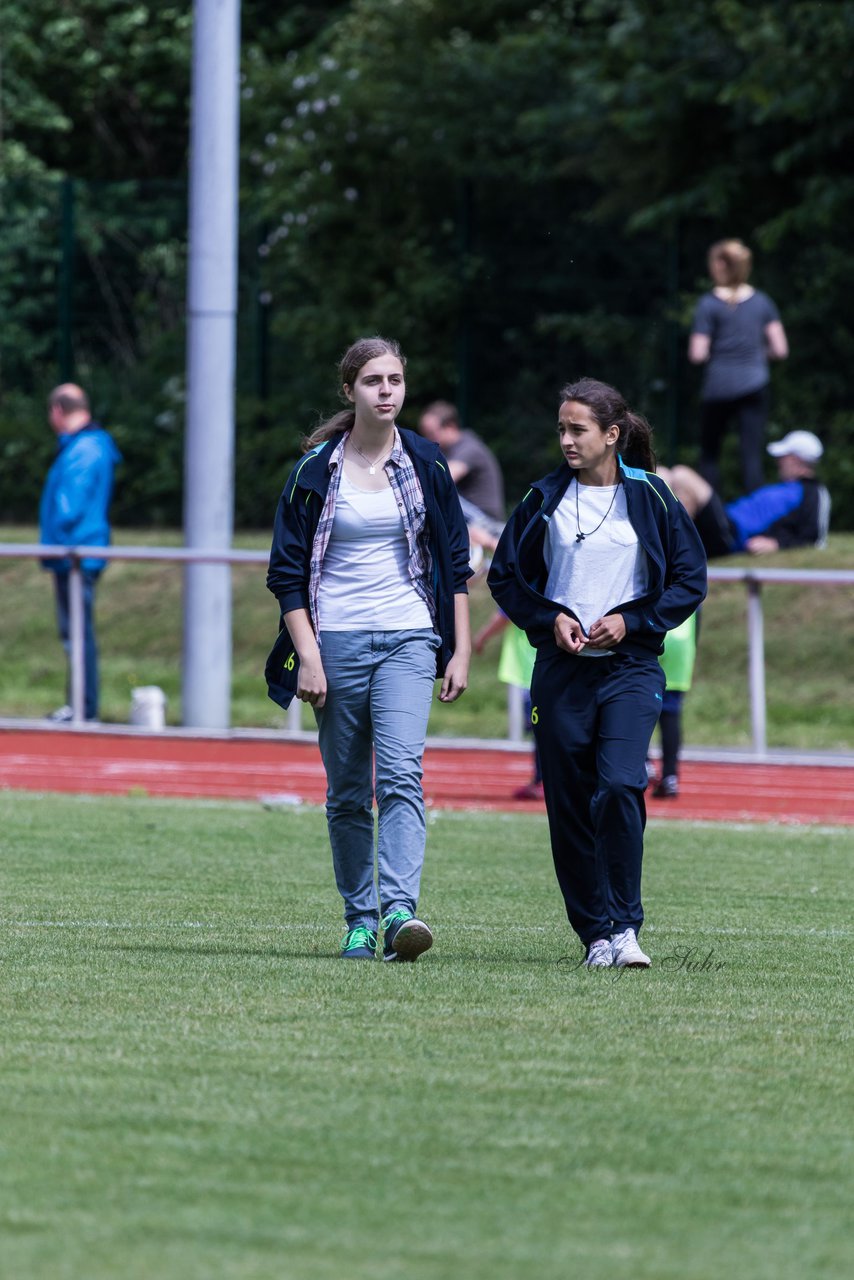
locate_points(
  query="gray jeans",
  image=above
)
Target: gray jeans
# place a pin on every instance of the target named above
(379, 690)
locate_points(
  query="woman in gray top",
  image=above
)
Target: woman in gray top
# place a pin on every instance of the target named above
(735, 332)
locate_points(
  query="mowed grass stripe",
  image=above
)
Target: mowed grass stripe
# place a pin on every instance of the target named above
(196, 1086)
(323, 930)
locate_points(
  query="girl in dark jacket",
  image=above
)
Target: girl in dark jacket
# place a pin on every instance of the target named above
(596, 564)
(369, 565)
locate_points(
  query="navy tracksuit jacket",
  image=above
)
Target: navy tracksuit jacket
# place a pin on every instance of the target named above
(593, 717)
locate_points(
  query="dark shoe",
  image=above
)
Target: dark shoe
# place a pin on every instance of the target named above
(359, 944)
(404, 936)
(668, 788)
(530, 791)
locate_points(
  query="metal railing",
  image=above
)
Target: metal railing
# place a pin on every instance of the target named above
(753, 580)
(76, 625)
(752, 577)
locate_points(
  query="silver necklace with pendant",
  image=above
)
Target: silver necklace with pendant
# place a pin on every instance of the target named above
(372, 466)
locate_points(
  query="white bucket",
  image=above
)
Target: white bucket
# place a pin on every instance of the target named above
(148, 707)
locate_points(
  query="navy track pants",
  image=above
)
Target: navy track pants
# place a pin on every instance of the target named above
(593, 720)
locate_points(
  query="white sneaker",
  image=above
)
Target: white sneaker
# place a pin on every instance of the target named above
(599, 955)
(62, 715)
(627, 954)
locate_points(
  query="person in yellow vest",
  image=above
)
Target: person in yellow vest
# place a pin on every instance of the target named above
(677, 662)
(515, 667)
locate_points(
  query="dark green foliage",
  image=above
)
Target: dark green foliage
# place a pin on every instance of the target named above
(519, 194)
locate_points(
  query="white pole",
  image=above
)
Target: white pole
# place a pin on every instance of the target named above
(756, 665)
(515, 713)
(211, 313)
(77, 642)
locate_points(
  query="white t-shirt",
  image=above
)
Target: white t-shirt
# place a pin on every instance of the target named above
(365, 583)
(607, 568)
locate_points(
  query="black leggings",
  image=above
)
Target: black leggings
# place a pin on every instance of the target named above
(751, 413)
(670, 728)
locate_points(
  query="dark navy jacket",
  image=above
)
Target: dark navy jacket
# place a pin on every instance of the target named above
(297, 519)
(677, 562)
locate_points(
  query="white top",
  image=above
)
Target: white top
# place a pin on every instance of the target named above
(609, 567)
(364, 582)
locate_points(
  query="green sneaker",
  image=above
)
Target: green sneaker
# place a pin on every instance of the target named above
(404, 936)
(359, 944)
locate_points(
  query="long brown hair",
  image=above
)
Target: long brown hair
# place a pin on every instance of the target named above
(609, 409)
(354, 358)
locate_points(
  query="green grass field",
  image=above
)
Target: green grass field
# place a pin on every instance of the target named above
(808, 644)
(194, 1086)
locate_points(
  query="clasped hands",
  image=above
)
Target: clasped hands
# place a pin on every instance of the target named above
(603, 634)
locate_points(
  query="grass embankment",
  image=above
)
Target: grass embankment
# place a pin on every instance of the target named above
(809, 650)
(195, 1085)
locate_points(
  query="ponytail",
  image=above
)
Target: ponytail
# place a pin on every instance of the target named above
(636, 449)
(326, 429)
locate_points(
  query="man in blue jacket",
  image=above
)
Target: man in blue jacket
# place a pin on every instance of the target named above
(74, 511)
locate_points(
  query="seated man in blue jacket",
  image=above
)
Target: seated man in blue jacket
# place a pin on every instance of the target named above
(74, 511)
(794, 512)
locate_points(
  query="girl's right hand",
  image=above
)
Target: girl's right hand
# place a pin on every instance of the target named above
(311, 684)
(569, 633)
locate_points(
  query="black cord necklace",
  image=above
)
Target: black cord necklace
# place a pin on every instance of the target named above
(579, 536)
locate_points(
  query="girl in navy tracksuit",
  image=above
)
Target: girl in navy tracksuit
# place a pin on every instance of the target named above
(597, 563)
(369, 565)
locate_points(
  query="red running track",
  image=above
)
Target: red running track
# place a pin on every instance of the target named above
(454, 777)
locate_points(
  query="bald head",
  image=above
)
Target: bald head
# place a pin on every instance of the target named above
(68, 408)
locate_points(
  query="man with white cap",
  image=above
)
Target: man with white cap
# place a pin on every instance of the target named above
(793, 512)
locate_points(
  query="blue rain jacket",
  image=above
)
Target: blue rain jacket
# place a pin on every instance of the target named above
(75, 501)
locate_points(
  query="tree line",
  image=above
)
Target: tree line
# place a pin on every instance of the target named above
(521, 193)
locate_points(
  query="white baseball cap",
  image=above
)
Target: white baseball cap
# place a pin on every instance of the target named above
(803, 444)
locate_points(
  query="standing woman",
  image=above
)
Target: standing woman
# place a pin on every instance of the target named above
(597, 563)
(369, 565)
(735, 332)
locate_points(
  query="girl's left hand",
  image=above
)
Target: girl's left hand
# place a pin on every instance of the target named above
(455, 680)
(606, 632)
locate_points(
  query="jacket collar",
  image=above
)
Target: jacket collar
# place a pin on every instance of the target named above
(65, 437)
(555, 484)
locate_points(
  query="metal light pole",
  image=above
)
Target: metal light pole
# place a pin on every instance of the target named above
(211, 329)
